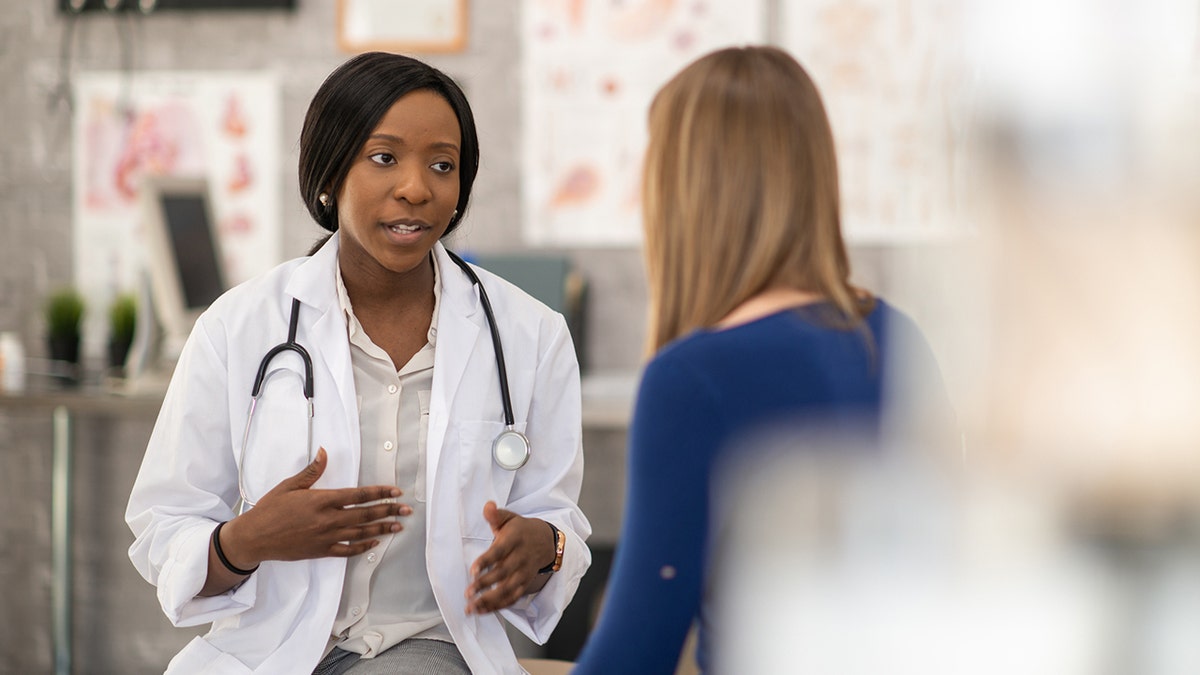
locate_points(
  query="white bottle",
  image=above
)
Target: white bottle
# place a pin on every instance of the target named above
(12, 363)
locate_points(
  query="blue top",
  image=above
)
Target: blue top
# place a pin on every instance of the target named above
(697, 397)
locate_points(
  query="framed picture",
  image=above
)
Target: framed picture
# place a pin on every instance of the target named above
(402, 25)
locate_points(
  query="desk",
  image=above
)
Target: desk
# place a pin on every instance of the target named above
(608, 399)
(607, 403)
(63, 405)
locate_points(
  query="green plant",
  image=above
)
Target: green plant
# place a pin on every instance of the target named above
(64, 311)
(122, 318)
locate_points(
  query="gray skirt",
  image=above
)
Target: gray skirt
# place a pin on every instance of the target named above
(410, 657)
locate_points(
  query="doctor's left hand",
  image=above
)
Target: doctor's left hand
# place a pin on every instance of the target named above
(509, 568)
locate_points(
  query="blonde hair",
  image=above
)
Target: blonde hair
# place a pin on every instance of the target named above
(740, 193)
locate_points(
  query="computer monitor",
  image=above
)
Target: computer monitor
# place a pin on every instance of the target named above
(183, 254)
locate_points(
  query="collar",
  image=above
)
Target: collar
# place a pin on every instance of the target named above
(352, 321)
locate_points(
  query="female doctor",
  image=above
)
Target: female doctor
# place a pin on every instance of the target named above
(392, 529)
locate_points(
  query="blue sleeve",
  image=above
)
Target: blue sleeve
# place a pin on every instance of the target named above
(657, 581)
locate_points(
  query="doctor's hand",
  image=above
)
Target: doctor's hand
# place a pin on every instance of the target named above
(296, 522)
(508, 569)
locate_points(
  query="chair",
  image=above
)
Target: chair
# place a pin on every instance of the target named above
(546, 666)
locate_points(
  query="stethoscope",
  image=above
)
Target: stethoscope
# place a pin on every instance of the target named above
(510, 449)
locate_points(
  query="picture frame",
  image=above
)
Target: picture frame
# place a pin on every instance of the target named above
(428, 26)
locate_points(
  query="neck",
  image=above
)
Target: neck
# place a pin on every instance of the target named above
(373, 287)
(766, 303)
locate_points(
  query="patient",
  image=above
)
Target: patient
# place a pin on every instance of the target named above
(753, 324)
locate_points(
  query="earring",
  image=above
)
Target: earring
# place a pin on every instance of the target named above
(453, 215)
(323, 198)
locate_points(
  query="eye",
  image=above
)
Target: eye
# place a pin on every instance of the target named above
(443, 167)
(383, 158)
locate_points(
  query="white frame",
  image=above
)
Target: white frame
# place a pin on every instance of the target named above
(170, 305)
(362, 26)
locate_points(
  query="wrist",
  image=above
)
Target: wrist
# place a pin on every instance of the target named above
(560, 541)
(232, 553)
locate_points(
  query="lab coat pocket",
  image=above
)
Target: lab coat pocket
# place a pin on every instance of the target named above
(277, 441)
(480, 478)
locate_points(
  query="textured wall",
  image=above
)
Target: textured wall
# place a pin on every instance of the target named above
(118, 626)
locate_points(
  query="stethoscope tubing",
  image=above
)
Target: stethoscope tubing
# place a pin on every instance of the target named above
(511, 449)
(501, 369)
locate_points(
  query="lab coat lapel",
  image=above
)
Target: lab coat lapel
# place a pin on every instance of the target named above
(459, 329)
(313, 284)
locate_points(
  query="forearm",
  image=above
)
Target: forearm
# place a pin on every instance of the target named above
(220, 577)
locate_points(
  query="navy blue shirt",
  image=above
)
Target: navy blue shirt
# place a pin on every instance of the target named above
(697, 398)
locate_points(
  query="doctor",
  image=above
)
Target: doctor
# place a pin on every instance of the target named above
(384, 533)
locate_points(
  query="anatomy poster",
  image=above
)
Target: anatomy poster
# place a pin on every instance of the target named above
(890, 73)
(591, 68)
(222, 126)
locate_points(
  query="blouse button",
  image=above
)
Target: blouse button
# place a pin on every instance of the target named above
(371, 557)
(355, 611)
(392, 388)
(387, 445)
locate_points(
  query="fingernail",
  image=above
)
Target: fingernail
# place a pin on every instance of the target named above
(405, 511)
(396, 492)
(396, 527)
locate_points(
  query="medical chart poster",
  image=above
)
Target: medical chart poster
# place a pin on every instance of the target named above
(224, 126)
(892, 77)
(590, 70)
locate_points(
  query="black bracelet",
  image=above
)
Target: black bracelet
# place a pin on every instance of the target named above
(553, 533)
(216, 540)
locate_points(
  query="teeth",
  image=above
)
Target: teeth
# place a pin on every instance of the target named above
(404, 228)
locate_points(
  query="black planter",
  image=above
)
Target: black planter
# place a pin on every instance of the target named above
(64, 348)
(118, 351)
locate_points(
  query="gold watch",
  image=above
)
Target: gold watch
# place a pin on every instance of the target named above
(560, 544)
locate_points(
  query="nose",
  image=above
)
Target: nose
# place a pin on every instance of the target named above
(411, 186)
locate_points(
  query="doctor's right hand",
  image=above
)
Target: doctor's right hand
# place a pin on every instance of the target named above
(296, 522)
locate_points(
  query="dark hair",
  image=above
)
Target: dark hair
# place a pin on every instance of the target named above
(348, 107)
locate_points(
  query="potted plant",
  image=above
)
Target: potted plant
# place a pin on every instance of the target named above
(64, 313)
(122, 320)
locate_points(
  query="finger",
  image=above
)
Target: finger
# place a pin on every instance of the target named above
(498, 551)
(495, 599)
(501, 575)
(342, 550)
(309, 474)
(367, 514)
(351, 497)
(359, 533)
(495, 516)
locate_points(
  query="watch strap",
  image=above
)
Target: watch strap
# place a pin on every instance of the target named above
(560, 544)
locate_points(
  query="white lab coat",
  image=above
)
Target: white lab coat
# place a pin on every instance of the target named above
(279, 620)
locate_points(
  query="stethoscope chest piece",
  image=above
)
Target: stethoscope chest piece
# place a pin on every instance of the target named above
(510, 449)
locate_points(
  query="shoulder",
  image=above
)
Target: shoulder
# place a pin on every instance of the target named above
(894, 328)
(504, 293)
(250, 299)
(683, 371)
(516, 312)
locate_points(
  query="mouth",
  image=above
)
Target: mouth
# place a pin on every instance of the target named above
(405, 226)
(406, 231)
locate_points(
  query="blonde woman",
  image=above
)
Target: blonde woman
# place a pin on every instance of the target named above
(753, 323)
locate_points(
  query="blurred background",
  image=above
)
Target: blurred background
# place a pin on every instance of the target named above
(1019, 177)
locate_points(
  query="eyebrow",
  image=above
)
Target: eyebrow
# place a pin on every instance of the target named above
(443, 145)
